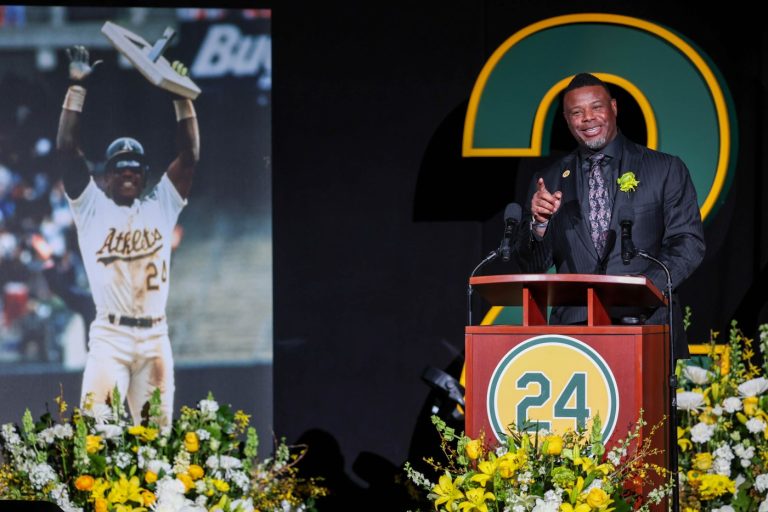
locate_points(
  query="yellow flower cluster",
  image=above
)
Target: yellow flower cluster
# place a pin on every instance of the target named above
(567, 471)
(713, 486)
(191, 442)
(580, 501)
(93, 444)
(146, 434)
(447, 491)
(122, 495)
(570, 467)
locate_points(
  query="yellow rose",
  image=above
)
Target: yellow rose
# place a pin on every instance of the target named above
(147, 498)
(582, 507)
(93, 444)
(186, 480)
(474, 449)
(750, 405)
(84, 483)
(196, 472)
(191, 442)
(554, 445)
(702, 461)
(598, 498)
(100, 505)
(150, 477)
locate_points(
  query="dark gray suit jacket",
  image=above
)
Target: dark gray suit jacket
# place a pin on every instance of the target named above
(667, 224)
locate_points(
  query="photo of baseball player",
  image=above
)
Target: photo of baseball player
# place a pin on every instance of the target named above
(125, 237)
(218, 312)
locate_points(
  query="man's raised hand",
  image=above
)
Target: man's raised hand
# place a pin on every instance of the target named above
(80, 68)
(544, 204)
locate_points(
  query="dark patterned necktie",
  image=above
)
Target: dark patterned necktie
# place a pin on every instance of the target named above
(599, 204)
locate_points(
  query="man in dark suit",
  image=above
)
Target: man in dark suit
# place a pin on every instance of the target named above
(575, 204)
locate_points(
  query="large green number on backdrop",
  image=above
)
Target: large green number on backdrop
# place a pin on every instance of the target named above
(685, 103)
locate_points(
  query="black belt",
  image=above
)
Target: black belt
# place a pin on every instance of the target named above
(128, 321)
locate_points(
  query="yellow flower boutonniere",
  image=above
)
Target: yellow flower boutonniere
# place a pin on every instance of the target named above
(627, 182)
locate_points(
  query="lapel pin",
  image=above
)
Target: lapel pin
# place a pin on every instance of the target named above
(566, 173)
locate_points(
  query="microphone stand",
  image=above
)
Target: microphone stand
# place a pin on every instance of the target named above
(512, 215)
(673, 462)
(491, 256)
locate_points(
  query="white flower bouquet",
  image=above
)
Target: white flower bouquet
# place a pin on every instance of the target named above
(98, 461)
(723, 428)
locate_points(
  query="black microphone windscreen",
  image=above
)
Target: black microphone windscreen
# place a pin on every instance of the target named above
(513, 212)
(626, 214)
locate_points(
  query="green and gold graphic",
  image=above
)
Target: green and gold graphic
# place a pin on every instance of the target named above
(552, 382)
(685, 103)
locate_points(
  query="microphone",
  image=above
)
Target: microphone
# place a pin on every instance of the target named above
(512, 215)
(626, 219)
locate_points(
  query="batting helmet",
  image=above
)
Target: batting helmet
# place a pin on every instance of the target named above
(125, 152)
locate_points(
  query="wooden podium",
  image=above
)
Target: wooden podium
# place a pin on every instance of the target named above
(562, 376)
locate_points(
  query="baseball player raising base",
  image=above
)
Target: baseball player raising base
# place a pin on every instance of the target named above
(125, 241)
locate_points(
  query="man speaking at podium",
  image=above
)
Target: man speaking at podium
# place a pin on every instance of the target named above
(576, 205)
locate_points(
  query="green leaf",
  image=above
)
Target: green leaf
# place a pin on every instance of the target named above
(743, 502)
(98, 463)
(620, 505)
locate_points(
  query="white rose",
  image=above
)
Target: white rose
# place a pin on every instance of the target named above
(755, 425)
(701, 432)
(732, 404)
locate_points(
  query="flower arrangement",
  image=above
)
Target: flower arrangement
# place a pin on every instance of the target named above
(723, 427)
(543, 472)
(98, 461)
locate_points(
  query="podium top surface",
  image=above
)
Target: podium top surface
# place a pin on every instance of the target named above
(569, 289)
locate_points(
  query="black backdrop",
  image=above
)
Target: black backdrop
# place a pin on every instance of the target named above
(378, 220)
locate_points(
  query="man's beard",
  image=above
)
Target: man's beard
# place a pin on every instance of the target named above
(596, 143)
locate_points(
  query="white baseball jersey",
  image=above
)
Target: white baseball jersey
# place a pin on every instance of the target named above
(127, 249)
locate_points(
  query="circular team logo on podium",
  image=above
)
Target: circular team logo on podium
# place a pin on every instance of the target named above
(552, 382)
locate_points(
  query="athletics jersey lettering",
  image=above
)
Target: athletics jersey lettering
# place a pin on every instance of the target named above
(127, 249)
(129, 245)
